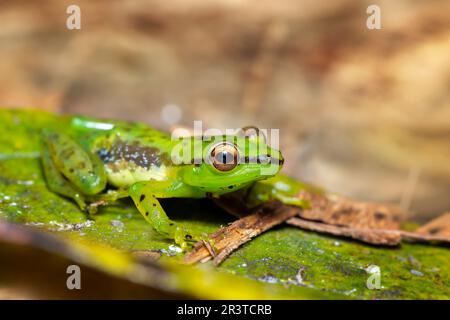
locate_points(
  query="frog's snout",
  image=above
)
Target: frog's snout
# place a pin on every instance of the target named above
(272, 159)
(276, 161)
(280, 160)
(277, 158)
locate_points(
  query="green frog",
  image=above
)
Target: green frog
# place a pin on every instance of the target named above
(96, 162)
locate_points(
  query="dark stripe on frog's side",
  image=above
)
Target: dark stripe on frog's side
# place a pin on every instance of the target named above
(134, 152)
(247, 159)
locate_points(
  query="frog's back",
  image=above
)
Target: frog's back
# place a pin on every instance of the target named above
(130, 152)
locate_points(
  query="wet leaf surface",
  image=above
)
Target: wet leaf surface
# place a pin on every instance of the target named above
(285, 262)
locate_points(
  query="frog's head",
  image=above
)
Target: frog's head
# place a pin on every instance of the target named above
(231, 162)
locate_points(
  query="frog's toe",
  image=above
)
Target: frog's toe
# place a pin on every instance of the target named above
(292, 200)
(184, 237)
(180, 238)
(297, 202)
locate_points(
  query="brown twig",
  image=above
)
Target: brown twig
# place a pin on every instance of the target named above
(226, 240)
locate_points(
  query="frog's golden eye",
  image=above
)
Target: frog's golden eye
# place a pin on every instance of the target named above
(224, 157)
(252, 132)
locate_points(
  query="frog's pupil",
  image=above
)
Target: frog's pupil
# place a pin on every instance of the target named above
(225, 157)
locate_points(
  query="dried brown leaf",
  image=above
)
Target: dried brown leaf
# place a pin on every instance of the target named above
(372, 236)
(335, 210)
(437, 227)
(377, 224)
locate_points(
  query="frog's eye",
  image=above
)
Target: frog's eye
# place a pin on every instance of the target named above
(224, 157)
(251, 132)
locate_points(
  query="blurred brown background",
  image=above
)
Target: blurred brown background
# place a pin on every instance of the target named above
(365, 113)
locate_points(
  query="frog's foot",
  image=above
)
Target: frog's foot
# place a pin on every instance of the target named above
(105, 199)
(92, 208)
(184, 238)
(292, 200)
(79, 200)
(145, 196)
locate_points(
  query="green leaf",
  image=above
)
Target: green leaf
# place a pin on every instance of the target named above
(283, 263)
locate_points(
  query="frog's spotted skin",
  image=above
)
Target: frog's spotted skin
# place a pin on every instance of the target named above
(128, 162)
(91, 156)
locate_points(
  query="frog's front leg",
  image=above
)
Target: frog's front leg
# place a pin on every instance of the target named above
(145, 195)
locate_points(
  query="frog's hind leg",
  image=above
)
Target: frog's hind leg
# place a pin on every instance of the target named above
(69, 169)
(56, 182)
